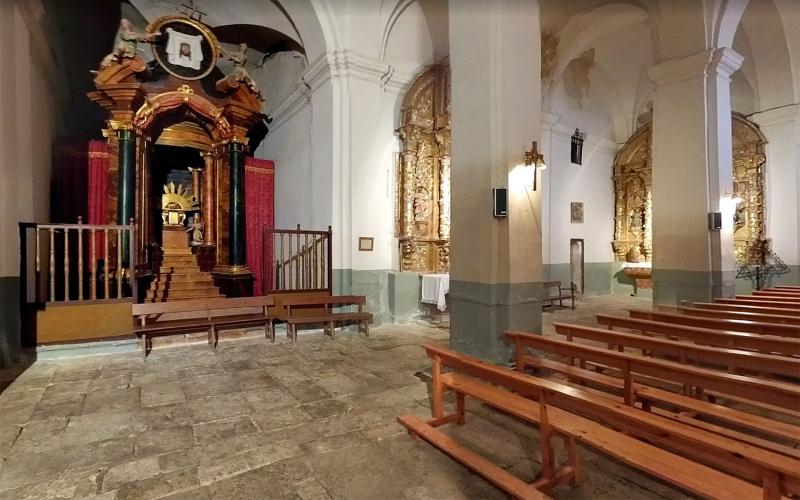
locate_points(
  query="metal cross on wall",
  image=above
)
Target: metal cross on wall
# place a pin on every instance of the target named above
(192, 11)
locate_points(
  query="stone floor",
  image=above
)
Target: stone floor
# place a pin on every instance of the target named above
(313, 420)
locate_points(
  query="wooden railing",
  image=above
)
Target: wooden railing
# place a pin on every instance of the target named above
(297, 260)
(76, 262)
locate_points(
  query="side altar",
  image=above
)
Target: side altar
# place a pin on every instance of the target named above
(178, 125)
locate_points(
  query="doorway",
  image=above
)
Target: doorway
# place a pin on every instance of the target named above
(576, 275)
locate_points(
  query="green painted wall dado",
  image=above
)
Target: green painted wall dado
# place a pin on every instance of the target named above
(601, 278)
(392, 296)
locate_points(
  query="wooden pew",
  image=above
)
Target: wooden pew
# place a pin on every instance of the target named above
(772, 298)
(295, 308)
(760, 302)
(563, 410)
(778, 293)
(733, 360)
(785, 287)
(752, 316)
(210, 315)
(719, 324)
(784, 346)
(747, 308)
(695, 379)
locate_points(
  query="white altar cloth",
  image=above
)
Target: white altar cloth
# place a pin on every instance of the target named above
(434, 289)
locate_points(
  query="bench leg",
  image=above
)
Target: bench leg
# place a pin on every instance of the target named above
(266, 330)
(210, 336)
(574, 460)
(143, 344)
(332, 328)
(216, 337)
(366, 328)
(461, 408)
(294, 333)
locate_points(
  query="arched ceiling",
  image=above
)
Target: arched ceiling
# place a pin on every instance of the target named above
(628, 37)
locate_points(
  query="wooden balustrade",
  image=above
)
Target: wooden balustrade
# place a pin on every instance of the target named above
(297, 260)
(65, 262)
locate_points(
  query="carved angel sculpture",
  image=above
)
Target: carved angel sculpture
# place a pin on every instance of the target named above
(128, 44)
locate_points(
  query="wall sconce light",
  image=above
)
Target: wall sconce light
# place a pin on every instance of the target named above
(533, 159)
(576, 151)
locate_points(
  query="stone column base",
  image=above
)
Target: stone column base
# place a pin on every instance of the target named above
(672, 286)
(481, 312)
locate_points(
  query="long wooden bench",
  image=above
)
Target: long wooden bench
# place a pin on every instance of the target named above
(719, 324)
(615, 430)
(210, 315)
(695, 379)
(759, 302)
(778, 293)
(297, 313)
(734, 360)
(750, 316)
(553, 292)
(747, 308)
(785, 346)
(680, 407)
(772, 298)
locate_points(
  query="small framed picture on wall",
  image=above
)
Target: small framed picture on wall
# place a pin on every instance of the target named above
(365, 244)
(576, 212)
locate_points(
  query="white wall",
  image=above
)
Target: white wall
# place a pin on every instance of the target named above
(30, 108)
(590, 183)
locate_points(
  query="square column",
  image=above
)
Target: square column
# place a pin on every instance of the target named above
(495, 264)
(692, 177)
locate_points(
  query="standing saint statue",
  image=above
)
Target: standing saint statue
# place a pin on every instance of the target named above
(240, 74)
(195, 227)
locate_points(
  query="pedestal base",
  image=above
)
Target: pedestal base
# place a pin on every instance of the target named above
(234, 283)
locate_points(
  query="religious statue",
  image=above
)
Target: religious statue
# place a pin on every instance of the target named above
(240, 74)
(128, 44)
(196, 228)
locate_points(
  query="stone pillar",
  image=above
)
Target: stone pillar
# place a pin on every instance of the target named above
(236, 251)
(496, 264)
(781, 127)
(209, 205)
(693, 176)
(126, 186)
(196, 191)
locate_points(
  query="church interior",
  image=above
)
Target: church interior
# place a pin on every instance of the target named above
(399, 249)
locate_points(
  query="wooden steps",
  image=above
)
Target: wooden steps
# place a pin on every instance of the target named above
(180, 278)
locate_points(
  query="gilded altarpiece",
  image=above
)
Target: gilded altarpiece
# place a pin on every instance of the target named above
(423, 183)
(633, 192)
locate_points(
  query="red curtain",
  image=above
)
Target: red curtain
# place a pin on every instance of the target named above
(98, 187)
(259, 192)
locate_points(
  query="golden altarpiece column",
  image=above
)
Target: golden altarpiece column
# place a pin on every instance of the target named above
(179, 99)
(633, 187)
(423, 183)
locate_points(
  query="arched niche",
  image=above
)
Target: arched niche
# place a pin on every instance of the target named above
(423, 181)
(633, 207)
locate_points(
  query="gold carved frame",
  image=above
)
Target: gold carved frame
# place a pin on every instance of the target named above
(633, 208)
(423, 175)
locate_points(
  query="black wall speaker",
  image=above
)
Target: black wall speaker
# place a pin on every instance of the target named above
(715, 221)
(500, 200)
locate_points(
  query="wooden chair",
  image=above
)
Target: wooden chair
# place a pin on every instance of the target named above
(553, 291)
(719, 324)
(210, 315)
(783, 346)
(297, 313)
(575, 415)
